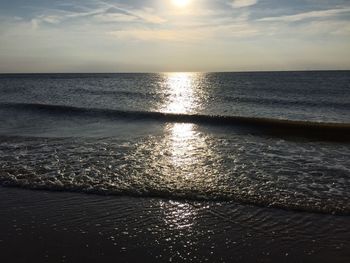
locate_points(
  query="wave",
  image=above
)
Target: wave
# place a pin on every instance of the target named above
(288, 102)
(322, 130)
(116, 93)
(228, 99)
(179, 194)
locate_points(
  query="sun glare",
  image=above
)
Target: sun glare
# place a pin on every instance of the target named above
(181, 3)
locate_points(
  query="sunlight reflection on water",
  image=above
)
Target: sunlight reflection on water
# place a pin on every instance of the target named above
(182, 138)
(178, 215)
(184, 143)
(181, 93)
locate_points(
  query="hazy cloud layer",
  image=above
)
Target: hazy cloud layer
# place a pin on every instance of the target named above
(154, 35)
(309, 15)
(243, 3)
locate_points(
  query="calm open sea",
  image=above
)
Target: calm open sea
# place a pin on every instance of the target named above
(180, 136)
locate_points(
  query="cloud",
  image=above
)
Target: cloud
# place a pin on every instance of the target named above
(147, 15)
(154, 35)
(187, 35)
(117, 17)
(307, 15)
(102, 12)
(243, 3)
(322, 28)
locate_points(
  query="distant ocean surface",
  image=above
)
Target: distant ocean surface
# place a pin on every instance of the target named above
(272, 139)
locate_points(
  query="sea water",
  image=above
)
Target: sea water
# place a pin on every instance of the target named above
(271, 139)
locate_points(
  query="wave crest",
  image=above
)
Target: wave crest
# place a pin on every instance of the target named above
(322, 130)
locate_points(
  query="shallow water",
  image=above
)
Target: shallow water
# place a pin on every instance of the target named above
(65, 227)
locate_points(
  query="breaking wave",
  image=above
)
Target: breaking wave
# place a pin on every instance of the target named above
(323, 130)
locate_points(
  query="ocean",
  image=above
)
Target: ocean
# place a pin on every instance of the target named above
(272, 141)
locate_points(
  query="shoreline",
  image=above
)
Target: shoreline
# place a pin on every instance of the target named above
(42, 226)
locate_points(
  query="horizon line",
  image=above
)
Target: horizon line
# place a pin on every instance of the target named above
(167, 72)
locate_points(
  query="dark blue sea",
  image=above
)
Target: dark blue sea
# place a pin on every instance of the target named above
(271, 139)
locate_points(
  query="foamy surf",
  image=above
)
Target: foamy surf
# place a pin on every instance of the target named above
(212, 172)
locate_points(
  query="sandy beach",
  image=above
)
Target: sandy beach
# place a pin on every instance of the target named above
(39, 226)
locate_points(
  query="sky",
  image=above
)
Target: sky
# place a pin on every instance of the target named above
(162, 36)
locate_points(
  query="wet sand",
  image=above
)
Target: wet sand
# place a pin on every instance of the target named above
(40, 226)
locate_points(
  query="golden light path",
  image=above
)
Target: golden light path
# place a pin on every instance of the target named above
(182, 142)
(185, 145)
(180, 89)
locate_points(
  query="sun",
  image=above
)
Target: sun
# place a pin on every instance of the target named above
(180, 3)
